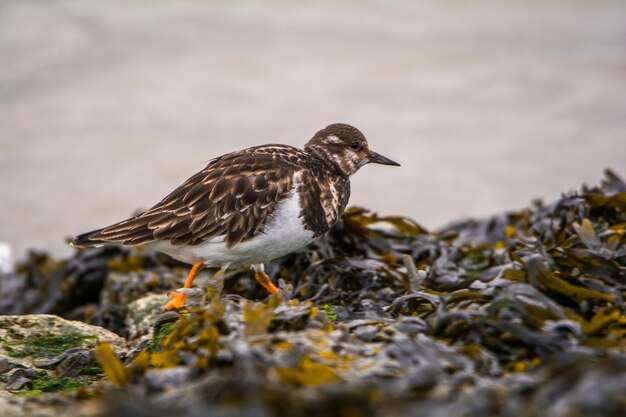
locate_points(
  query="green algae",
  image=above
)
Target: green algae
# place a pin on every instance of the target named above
(28, 393)
(156, 343)
(50, 383)
(47, 346)
(94, 370)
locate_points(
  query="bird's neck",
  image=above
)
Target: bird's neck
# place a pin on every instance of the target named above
(335, 163)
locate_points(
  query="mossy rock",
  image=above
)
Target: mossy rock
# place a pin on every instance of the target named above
(27, 342)
(29, 337)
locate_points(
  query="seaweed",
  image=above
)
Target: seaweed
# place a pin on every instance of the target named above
(516, 314)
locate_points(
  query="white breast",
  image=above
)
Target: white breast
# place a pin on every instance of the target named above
(283, 234)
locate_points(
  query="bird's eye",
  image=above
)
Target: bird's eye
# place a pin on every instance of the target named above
(355, 145)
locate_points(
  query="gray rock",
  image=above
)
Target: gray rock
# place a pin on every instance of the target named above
(142, 313)
(18, 384)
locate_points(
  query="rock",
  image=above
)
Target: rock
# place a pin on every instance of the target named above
(20, 378)
(70, 363)
(366, 333)
(17, 384)
(161, 379)
(6, 365)
(142, 313)
(51, 355)
(33, 336)
(41, 341)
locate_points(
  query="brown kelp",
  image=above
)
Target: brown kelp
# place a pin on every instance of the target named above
(520, 313)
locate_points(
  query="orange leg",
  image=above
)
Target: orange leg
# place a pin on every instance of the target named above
(178, 301)
(264, 280)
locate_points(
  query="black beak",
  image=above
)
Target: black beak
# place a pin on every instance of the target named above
(377, 158)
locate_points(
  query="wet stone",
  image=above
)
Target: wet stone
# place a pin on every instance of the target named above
(16, 384)
(367, 333)
(410, 325)
(6, 365)
(142, 313)
(161, 380)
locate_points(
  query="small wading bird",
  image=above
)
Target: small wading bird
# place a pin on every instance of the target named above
(249, 207)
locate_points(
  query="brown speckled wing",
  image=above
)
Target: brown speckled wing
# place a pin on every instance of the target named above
(232, 197)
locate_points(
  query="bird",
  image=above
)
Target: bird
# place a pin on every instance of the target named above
(248, 207)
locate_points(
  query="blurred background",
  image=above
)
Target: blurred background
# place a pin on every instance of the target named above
(105, 107)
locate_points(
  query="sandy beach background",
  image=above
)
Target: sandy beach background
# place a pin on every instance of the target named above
(105, 107)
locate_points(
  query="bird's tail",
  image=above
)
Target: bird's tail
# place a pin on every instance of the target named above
(130, 232)
(87, 239)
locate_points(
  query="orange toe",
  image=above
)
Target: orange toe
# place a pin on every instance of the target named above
(265, 281)
(177, 302)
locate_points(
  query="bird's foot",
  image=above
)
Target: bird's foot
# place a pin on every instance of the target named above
(178, 301)
(184, 299)
(265, 281)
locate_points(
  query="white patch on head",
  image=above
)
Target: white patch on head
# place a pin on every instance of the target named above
(333, 139)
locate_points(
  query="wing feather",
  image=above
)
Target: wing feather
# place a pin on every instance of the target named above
(232, 196)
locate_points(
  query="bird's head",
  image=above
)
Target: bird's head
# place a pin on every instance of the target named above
(346, 147)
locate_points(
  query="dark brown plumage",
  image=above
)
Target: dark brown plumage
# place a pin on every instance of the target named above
(232, 196)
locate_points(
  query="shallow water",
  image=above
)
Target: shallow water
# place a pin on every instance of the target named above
(106, 107)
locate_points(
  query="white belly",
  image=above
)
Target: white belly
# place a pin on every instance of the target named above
(284, 233)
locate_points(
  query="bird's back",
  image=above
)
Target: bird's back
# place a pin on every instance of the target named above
(233, 197)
